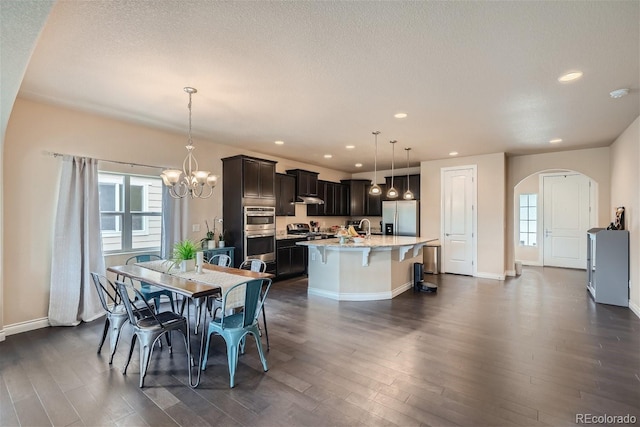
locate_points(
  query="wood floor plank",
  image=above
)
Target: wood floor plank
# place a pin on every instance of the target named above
(31, 413)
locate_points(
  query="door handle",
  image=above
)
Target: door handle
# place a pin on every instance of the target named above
(447, 234)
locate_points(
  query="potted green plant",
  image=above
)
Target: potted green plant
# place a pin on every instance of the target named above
(221, 239)
(184, 255)
(209, 239)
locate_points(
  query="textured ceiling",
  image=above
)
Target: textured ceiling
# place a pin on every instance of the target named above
(474, 77)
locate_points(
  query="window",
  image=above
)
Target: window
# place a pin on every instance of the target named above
(528, 219)
(130, 212)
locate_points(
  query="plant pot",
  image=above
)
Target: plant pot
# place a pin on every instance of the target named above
(221, 244)
(187, 265)
(211, 244)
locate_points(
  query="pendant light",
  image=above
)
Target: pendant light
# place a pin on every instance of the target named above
(392, 193)
(408, 195)
(375, 189)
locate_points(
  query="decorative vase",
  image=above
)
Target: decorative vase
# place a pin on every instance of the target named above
(211, 244)
(221, 244)
(187, 265)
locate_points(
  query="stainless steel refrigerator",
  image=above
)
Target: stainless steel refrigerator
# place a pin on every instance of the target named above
(401, 218)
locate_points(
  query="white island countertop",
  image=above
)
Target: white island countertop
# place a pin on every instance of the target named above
(373, 242)
(378, 268)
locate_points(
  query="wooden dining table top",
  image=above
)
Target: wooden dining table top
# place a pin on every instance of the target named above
(179, 285)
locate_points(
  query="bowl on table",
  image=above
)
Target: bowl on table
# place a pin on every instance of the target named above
(358, 240)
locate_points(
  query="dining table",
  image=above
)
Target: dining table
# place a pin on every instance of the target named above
(211, 281)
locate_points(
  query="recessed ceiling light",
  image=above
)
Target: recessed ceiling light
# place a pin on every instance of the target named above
(453, 153)
(570, 76)
(328, 156)
(400, 115)
(349, 147)
(279, 142)
(358, 165)
(555, 141)
(619, 93)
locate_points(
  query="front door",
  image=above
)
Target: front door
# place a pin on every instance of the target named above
(566, 219)
(458, 223)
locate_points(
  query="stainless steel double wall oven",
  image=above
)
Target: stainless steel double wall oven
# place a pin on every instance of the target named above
(260, 233)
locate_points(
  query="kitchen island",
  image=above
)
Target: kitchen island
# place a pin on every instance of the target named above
(378, 268)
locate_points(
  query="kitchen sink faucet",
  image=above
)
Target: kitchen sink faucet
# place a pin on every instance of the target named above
(368, 235)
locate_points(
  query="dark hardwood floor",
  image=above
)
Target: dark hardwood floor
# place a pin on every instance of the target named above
(532, 350)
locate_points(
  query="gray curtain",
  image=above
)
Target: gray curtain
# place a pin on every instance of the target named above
(77, 245)
(174, 222)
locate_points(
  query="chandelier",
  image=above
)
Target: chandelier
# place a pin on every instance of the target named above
(392, 193)
(375, 189)
(189, 181)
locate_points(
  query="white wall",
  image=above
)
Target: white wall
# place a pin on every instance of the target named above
(625, 191)
(490, 209)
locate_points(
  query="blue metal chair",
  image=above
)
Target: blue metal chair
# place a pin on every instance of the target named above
(223, 261)
(116, 312)
(150, 329)
(234, 327)
(148, 291)
(258, 266)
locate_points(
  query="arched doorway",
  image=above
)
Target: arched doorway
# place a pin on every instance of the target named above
(553, 209)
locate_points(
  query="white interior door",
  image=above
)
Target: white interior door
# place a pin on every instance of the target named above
(566, 219)
(458, 220)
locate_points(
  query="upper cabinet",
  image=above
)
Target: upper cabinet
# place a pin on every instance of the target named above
(285, 195)
(374, 203)
(358, 192)
(400, 183)
(319, 210)
(306, 182)
(253, 178)
(336, 200)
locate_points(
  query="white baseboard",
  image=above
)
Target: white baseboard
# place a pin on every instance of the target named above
(29, 325)
(348, 296)
(510, 273)
(489, 276)
(2, 337)
(532, 263)
(635, 308)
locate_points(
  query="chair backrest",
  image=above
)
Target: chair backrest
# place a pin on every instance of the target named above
(141, 310)
(256, 265)
(143, 258)
(106, 289)
(221, 260)
(255, 293)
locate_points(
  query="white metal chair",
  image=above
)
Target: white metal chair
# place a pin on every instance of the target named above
(150, 329)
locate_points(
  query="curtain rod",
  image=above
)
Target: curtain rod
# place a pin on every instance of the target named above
(55, 154)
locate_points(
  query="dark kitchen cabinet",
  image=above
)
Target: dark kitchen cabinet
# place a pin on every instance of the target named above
(246, 181)
(400, 183)
(291, 259)
(255, 178)
(306, 182)
(285, 195)
(337, 199)
(358, 189)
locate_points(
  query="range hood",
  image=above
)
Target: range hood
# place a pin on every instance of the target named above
(309, 200)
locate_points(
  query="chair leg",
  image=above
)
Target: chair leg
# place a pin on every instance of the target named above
(145, 357)
(116, 327)
(266, 332)
(104, 334)
(156, 300)
(260, 351)
(133, 344)
(168, 338)
(232, 359)
(206, 350)
(170, 295)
